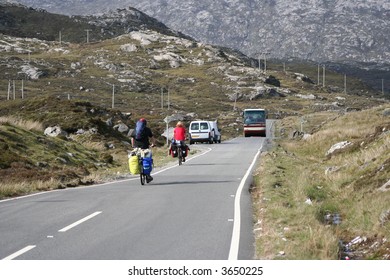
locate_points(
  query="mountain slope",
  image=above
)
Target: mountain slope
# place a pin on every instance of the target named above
(21, 21)
(320, 30)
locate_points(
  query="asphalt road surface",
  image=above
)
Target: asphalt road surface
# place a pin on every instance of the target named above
(198, 211)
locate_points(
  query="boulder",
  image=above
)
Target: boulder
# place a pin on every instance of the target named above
(121, 127)
(338, 146)
(54, 131)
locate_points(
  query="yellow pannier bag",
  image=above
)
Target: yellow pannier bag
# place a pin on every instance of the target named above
(133, 165)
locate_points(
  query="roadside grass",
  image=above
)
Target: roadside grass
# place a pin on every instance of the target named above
(26, 124)
(289, 228)
(307, 203)
(31, 161)
(11, 189)
(44, 163)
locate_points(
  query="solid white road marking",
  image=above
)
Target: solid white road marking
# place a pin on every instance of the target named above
(20, 252)
(235, 242)
(79, 222)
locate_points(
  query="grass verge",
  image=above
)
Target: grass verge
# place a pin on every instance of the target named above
(310, 204)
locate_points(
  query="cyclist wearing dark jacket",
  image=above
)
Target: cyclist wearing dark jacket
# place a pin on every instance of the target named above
(142, 142)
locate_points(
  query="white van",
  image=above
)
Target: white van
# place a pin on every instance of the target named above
(216, 132)
(204, 131)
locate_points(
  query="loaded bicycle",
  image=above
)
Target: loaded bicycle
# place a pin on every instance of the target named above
(180, 153)
(141, 162)
(179, 149)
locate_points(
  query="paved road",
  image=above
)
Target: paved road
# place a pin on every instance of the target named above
(188, 212)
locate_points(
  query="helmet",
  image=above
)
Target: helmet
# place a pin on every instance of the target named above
(142, 120)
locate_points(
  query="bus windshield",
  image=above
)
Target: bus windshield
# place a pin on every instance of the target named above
(254, 116)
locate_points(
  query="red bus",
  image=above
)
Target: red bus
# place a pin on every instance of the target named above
(255, 122)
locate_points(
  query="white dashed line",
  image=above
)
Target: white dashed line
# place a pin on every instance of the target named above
(79, 222)
(20, 252)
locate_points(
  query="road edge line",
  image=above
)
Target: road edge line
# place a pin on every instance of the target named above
(235, 241)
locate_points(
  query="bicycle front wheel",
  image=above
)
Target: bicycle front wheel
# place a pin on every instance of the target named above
(143, 178)
(141, 174)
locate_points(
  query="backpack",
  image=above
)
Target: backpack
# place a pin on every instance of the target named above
(140, 130)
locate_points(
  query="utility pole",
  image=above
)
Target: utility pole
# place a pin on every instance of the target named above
(13, 89)
(113, 96)
(318, 74)
(265, 61)
(259, 59)
(9, 89)
(383, 87)
(169, 105)
(235, 101)
(87, 30)
(22, 89)
(265, 53)
(162, 98)
(345, 83)
(323, 75)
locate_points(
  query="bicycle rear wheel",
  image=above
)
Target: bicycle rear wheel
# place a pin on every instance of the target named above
(180, 155)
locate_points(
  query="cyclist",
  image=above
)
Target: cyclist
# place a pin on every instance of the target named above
(179, 134)
(140, 139)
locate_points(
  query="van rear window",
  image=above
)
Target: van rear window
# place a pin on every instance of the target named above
(195, 126)
(204, 125)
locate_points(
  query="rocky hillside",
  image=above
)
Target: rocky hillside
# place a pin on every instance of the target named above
(350, 37)
(92, 93)
(320, 30)
(22, 21)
